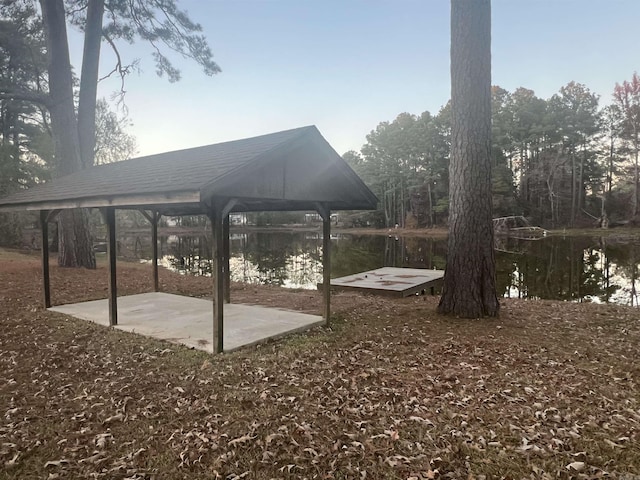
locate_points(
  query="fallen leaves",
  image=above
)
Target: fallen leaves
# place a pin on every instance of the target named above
(114, 418)
(241, 440)
(56, 463)
(393, 391)
(576, 466)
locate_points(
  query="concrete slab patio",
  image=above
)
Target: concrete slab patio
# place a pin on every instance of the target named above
(189, 320)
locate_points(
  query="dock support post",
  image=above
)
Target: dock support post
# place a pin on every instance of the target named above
(110, 220)
(325, 212)
(46, 285)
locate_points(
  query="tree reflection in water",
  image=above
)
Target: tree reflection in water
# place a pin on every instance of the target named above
(560, 268)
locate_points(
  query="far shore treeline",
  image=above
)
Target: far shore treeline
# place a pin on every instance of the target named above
(566, 161)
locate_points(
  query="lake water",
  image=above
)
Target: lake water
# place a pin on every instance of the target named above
(561, 268)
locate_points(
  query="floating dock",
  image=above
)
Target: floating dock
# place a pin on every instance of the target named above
(393, 281)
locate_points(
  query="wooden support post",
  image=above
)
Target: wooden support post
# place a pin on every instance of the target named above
(110, 220)
(44, 228)
(325, 212)
(154, 244)
(226, 254)
(217, 275)
(218, 212)
(153, 220)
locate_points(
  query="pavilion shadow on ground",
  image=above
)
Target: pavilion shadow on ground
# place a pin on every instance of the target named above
(188, 321)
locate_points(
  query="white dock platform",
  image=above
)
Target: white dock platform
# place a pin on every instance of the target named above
(399, 282)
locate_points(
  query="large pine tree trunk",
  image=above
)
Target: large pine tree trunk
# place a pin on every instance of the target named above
(469, 288)
(581, 179)
(89, 82)
(75, 247)
(573, 189)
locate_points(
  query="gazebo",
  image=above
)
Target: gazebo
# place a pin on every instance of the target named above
(292, 170)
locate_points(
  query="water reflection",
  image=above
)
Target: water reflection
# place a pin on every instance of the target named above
(289, 260)
(561, 268)
(569, 268)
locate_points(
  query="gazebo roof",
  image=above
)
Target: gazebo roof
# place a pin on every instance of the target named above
(289, 170)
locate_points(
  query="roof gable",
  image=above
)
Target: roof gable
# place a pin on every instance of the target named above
(298, 171)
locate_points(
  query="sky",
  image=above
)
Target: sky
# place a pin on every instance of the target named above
(347, 65)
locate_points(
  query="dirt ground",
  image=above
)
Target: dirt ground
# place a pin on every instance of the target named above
(390, 390)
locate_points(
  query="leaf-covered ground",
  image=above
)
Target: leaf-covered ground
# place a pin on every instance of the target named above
(391, 390)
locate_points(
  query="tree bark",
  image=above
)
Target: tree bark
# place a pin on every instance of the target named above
(469, 288)
(610, 170)
(75, 248)
(431, 219)
(581, 177)
(573, 189)
(636, 175)
(89, 82)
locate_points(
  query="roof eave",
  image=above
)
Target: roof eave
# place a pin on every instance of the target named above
(122, 201)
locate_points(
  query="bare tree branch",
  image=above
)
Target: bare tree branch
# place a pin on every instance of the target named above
(119, 68)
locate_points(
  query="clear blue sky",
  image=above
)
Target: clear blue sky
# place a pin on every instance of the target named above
(347, 65)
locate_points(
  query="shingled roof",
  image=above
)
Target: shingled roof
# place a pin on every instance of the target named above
(289, 170)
